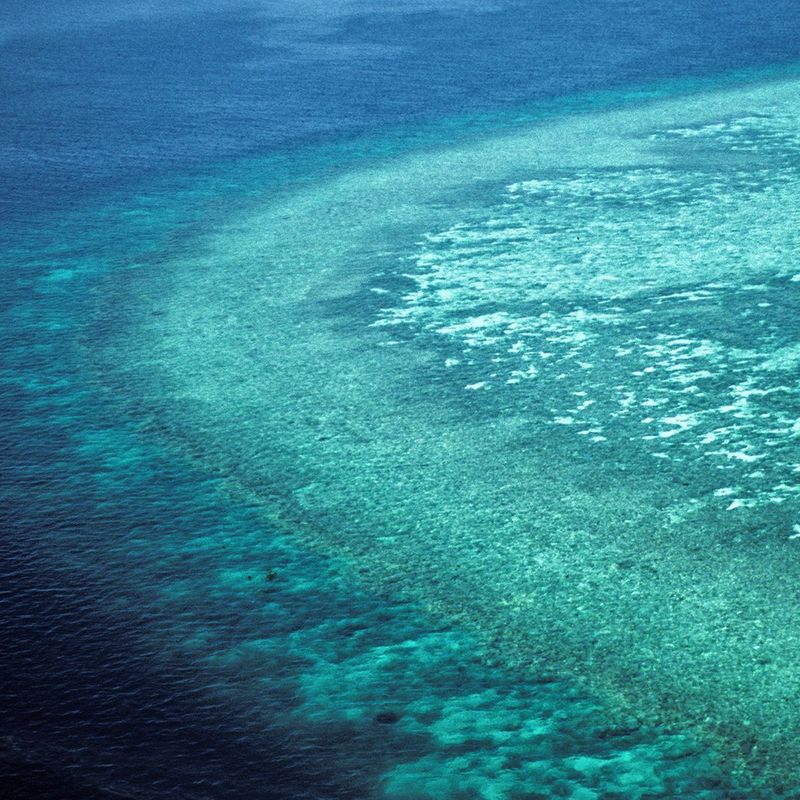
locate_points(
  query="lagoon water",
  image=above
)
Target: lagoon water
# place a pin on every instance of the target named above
(400, 402)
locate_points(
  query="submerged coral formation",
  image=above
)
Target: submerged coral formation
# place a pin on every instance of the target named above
(543, 382)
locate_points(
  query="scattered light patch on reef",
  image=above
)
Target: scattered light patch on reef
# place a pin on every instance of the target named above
(666, 289)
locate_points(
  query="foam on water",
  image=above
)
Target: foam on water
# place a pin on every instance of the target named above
(543, 382)
(636, 280)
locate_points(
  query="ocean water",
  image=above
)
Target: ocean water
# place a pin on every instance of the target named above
(399, 402)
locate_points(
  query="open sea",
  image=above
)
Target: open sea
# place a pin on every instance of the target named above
(400, 401)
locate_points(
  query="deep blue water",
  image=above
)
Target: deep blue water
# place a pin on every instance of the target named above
(111, 691)
(91, 105)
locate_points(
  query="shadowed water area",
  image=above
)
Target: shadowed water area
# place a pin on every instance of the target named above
(455, 460)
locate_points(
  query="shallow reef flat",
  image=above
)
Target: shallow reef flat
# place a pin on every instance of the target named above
(543, 380)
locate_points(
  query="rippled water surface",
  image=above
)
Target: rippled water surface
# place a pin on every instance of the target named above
(399, 403)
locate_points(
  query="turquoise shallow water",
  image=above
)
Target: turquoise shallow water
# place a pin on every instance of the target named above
(459, 462)
(263, 654)
(546, 391)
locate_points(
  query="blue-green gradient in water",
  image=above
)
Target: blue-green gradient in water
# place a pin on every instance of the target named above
(196, 599)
